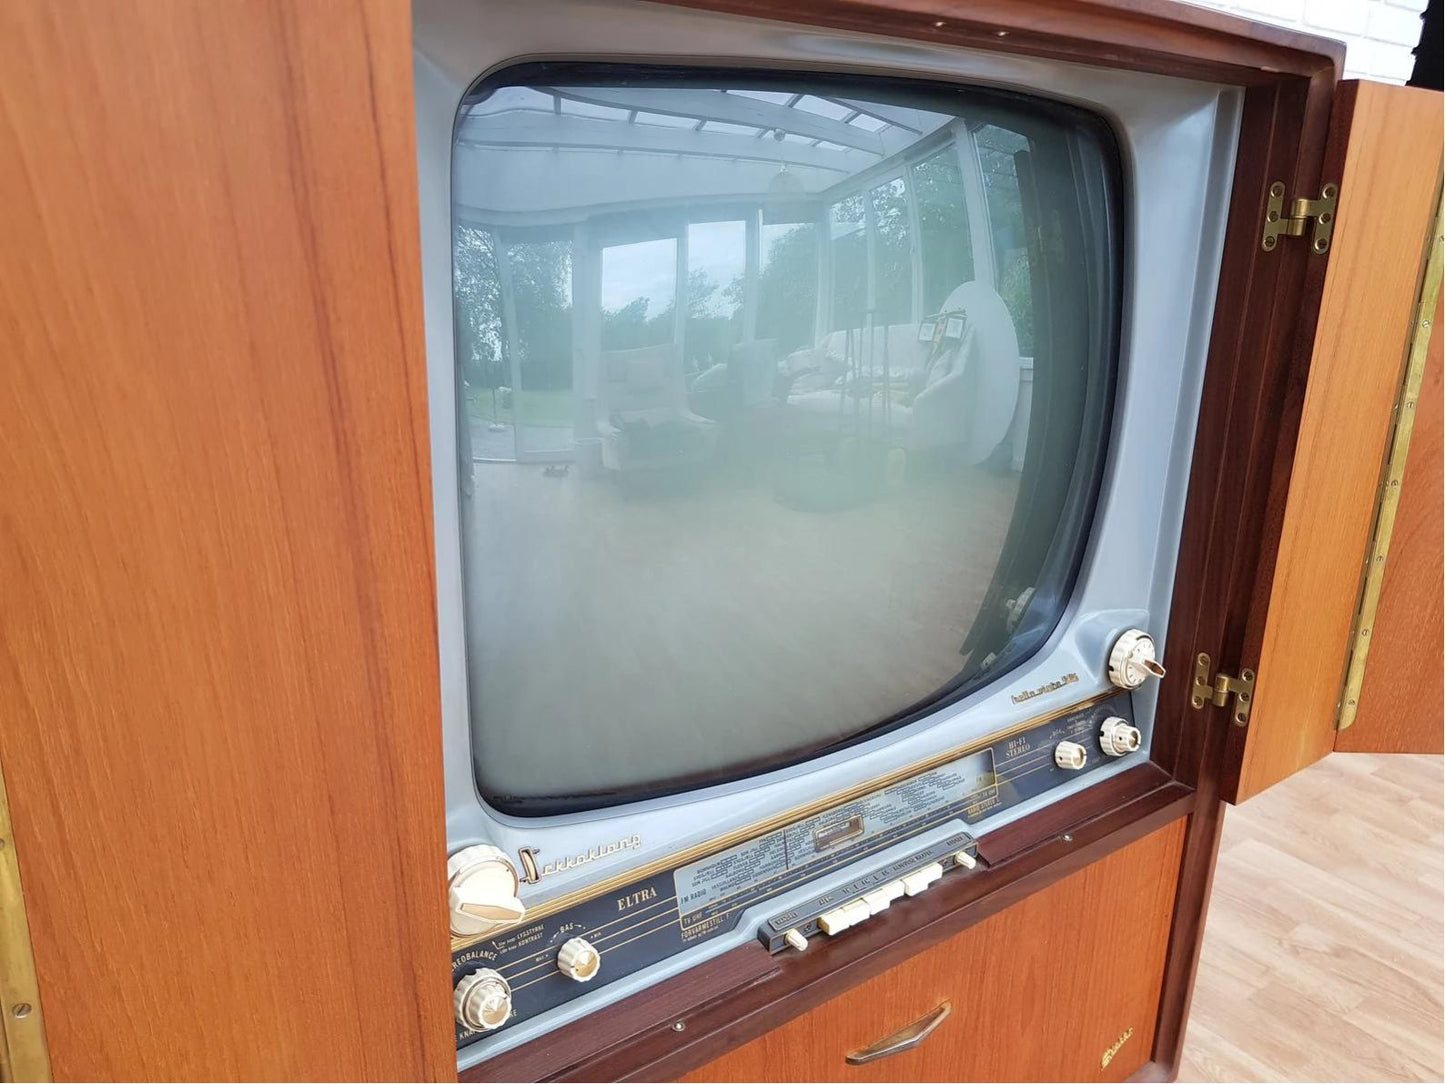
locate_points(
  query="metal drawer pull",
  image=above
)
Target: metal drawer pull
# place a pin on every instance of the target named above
(904, 1039)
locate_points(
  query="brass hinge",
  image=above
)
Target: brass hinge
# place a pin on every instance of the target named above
(1322, 210)
(1211, 688)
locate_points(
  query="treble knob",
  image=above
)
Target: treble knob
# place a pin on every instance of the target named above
(482, 891)
(483, 1000)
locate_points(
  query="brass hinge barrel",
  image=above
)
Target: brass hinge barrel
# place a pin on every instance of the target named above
(1301, 212)
(1216, 689)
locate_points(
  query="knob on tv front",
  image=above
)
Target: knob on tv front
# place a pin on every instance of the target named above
(578, 960)
(483, 1000)
(482, 891)
(1133, 660)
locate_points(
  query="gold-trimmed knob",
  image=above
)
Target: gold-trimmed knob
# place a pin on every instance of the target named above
(578, 960)
(1117, 737)
(1133, 659)
(483, 1000)
(482, 891)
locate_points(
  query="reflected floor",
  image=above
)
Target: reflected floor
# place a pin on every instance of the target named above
(622, 635)
(500, 442)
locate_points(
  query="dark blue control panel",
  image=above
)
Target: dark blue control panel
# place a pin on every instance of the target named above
(658, 916)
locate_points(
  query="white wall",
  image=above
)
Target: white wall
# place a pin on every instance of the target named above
(1378, 34)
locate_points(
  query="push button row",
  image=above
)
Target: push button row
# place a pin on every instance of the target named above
(880, 899)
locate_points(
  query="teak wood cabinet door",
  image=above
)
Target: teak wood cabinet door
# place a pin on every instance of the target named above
(220, 731)
(1384, 153)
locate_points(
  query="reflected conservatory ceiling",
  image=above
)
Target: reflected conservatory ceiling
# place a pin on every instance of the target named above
(661, 144)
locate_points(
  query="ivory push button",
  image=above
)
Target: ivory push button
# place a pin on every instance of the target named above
(883, 896)
(919, 880)
(964, 860)
(833, 922)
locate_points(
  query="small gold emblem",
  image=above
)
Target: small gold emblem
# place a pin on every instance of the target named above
(1048, 687)
(1118, 1045)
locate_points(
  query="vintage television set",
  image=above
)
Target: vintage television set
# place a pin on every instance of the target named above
(813, 414)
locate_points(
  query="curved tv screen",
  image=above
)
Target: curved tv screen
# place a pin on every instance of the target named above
(783, 406)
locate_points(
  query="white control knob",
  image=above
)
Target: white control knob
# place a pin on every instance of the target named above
(577, 959)
(1070, 755)
(482, 891)
(1118, 738)
(1133, 660)
(483, 1000)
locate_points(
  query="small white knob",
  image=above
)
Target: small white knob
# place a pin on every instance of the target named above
(965, 860)
(482, 891)
(483, 1000)
(1117, 737)
(1070, 755)
(577, 959)
(1133, 660)
(796, 940)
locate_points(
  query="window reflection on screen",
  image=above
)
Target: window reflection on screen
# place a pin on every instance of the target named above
(748, 368)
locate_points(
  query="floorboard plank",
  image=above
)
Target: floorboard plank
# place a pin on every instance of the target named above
(1322, 957)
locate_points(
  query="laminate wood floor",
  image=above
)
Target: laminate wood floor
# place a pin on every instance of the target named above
(1322, 955)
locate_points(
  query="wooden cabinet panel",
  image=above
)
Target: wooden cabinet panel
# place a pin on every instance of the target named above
(1388, 139)
(1061, 986)
(1402, 700)
(221, 733)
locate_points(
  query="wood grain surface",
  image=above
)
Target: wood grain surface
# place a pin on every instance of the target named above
(1402, 700)
(1061, 986)
(1388, 187)
(217, 645)
(1144, 35)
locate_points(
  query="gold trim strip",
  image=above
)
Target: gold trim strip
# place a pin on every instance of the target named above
(23, 1054)
(740, 835)
(1394, 479)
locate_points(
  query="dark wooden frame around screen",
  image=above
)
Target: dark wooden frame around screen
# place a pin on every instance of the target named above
(1264, 321)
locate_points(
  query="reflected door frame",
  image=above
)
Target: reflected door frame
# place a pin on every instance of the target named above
(512, 343)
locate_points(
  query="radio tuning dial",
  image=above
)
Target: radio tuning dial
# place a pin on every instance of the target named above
(483, 1000)
(1133, 660)
(482, 891)
(578, 960)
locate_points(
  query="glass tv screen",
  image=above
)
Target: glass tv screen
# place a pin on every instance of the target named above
(783, 406)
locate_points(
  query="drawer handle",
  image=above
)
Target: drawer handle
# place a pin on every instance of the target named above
(903, 1039)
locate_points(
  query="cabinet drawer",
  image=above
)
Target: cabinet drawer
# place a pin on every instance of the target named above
(1063, 985)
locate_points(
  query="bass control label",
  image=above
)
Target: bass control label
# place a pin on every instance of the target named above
(761, 864)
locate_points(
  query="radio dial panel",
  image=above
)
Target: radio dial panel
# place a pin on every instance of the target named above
(564, 952)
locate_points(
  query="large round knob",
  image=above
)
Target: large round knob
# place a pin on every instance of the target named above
(482, 891)
(1118, 737)
(483, 1000)
(1133, 660)
(577, 959)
